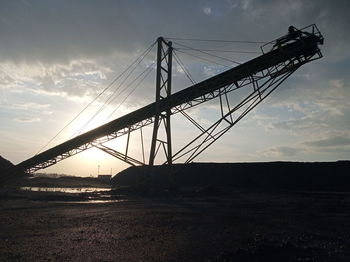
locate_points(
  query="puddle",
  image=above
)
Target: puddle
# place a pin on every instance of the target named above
(95, 201)
(84, 195)
(71, 190)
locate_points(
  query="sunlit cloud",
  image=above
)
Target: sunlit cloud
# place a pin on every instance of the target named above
(27, 119)
(77, 78)
(30, 105)
(207, 10)
(245, 4)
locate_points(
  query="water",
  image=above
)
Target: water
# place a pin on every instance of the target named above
(71, 190)
(93, 201)
(98, 194)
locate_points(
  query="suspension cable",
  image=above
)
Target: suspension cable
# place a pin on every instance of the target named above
(216, 40)
(204, 59)
(99, 95)
(187, 73)
(110, 100)
(114, 94)
(223, 51)
(149, 68)
(198, 50)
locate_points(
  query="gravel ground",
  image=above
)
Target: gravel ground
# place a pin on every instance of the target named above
(243, 226)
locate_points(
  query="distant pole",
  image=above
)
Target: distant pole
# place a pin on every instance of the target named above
(98, 170)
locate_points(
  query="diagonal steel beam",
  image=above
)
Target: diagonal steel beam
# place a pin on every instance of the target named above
(121, 156)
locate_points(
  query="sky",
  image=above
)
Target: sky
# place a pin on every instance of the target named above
(58, 56)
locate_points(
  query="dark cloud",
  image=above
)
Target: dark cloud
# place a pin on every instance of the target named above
(330, 142)
(285, 151)
(300, 126)
(331, 148)
(57, 30)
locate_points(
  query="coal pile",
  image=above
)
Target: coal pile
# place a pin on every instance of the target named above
(5, 164)
(314, 176)
(7, 173)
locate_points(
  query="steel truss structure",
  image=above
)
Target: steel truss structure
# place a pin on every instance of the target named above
(262, 75)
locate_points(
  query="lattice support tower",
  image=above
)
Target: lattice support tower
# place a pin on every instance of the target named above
(163, 90)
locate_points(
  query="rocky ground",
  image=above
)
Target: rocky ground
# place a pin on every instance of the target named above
(241, 226)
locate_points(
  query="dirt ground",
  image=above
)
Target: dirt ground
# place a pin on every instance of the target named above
(242, 226)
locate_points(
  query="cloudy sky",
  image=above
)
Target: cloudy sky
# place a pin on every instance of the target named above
(57, 56)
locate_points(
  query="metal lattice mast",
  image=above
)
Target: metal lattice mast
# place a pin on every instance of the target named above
(163, 90)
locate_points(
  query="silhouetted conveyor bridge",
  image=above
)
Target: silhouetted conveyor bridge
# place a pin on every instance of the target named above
(263, 74)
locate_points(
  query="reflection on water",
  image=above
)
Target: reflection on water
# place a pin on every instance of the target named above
(73, 190)
(92, 195)
(94, 201)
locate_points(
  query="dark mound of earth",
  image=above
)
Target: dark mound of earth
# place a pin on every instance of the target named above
(5, 164)
(323, 176)
(7, 174)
